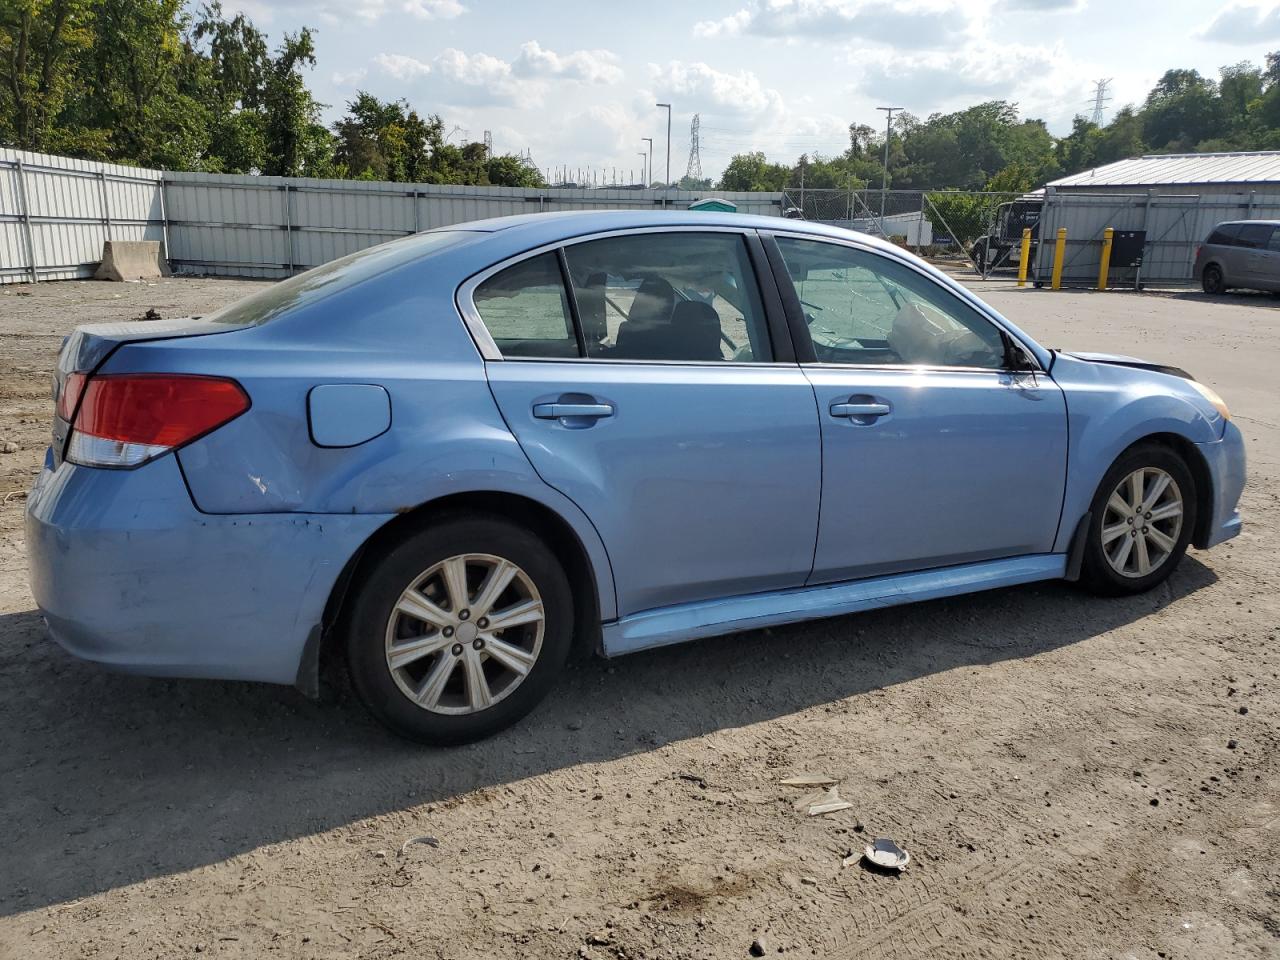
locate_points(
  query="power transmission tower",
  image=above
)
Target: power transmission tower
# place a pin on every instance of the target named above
(488, 143)
(694, 170)
(1100, 99)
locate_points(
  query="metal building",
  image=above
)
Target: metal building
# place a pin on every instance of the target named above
(1174, 200)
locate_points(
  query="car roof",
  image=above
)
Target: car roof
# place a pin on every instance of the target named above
(1265, 223)
(529, 230)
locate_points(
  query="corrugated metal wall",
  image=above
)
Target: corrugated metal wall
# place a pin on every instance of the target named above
(1175, 225)
(60, 210)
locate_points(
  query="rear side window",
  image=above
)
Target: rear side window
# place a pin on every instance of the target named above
(1255, 236)
(668, 296)
(654, 296)
(1225, 235)
(526, 311)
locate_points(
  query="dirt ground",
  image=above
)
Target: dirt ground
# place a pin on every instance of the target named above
(1074, 777)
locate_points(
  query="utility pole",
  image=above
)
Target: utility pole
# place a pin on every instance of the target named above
(667, 107)
(649, 178)
(888, 135)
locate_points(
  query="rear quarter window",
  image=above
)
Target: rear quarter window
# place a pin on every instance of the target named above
(1224, 235)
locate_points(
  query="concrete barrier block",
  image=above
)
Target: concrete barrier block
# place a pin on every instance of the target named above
(131, 260)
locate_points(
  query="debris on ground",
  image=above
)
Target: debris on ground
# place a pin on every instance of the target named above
(758, 947)
(429, 841)
(818, 801)
(809, 780)
(151, 314)
(885, 854)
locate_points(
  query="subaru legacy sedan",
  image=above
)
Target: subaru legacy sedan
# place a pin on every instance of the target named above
(453, 460)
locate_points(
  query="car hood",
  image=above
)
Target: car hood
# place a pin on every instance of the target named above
(1118, 360)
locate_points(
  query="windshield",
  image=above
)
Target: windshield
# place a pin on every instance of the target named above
(334, 276)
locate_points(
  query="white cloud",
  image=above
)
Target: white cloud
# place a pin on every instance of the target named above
(1043, 81)
(700, 87)
(1245, 23)
(586, 66)
(350, 78)
(922, 24)
(465, 79)
(400, 66)
(433, 9)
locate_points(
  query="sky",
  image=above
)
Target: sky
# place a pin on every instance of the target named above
(576, 83)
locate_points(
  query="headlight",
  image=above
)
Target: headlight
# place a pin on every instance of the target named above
(1218, 403)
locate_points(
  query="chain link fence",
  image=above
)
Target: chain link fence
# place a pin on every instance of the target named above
(983, 228)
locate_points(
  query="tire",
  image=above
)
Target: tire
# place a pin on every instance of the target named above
(456, 641)
(1212, 281)
(1163, 549)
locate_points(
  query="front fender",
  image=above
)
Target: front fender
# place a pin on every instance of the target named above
(1110, 408)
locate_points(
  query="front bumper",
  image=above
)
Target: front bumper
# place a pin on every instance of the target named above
(1226, 461)
(129, 574)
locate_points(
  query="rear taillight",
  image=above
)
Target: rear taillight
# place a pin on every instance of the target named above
(69, 395)
(124, 420)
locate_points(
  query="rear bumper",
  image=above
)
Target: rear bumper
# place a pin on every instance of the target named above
(129, 574)
(1226, 461)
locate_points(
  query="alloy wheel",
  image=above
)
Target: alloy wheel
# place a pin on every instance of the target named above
(1142, 522)
(465, 633)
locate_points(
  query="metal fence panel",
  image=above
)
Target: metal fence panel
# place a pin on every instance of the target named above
(251, 226)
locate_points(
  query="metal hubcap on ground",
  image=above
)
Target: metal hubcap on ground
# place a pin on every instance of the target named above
(465, 633)
(1142, 521)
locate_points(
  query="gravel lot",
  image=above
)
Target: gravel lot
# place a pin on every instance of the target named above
(1074, 777)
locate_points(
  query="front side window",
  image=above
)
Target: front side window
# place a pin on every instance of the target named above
(668, 296)
(526, 311)
(863, 308)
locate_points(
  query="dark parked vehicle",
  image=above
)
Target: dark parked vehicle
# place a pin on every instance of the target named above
(1240, 253)
(1001, 248)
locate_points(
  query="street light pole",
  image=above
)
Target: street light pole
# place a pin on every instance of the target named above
(667, 107)
(649, 141)
(888, 134)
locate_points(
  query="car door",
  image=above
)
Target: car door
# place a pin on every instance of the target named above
(1252, 253)
(645, 380)
(934, 452)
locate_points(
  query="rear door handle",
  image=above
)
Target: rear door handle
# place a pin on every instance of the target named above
(860, 409)
(554, 411)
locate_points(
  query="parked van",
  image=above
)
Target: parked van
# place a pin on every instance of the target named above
(1240, 253)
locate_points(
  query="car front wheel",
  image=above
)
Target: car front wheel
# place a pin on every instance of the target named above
(1142, 518)
(1212, 280)
(459, 630)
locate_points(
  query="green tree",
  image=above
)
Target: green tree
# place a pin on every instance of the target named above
(40, 40)
(751, 171)
(1182, 110)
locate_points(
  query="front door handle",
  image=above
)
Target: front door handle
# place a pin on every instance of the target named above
(860, 409)
(554, 411)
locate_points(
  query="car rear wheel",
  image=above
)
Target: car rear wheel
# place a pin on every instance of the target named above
(1142, 518)
(1212, 279)
(460, 630)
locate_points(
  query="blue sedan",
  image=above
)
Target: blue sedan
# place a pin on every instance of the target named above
(454, 459)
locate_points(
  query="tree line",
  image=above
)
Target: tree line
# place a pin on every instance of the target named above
(991, 147)
(151, 83)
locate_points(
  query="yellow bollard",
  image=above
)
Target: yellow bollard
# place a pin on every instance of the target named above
(1024, 257)
(1059, 257)
(1104, 266)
